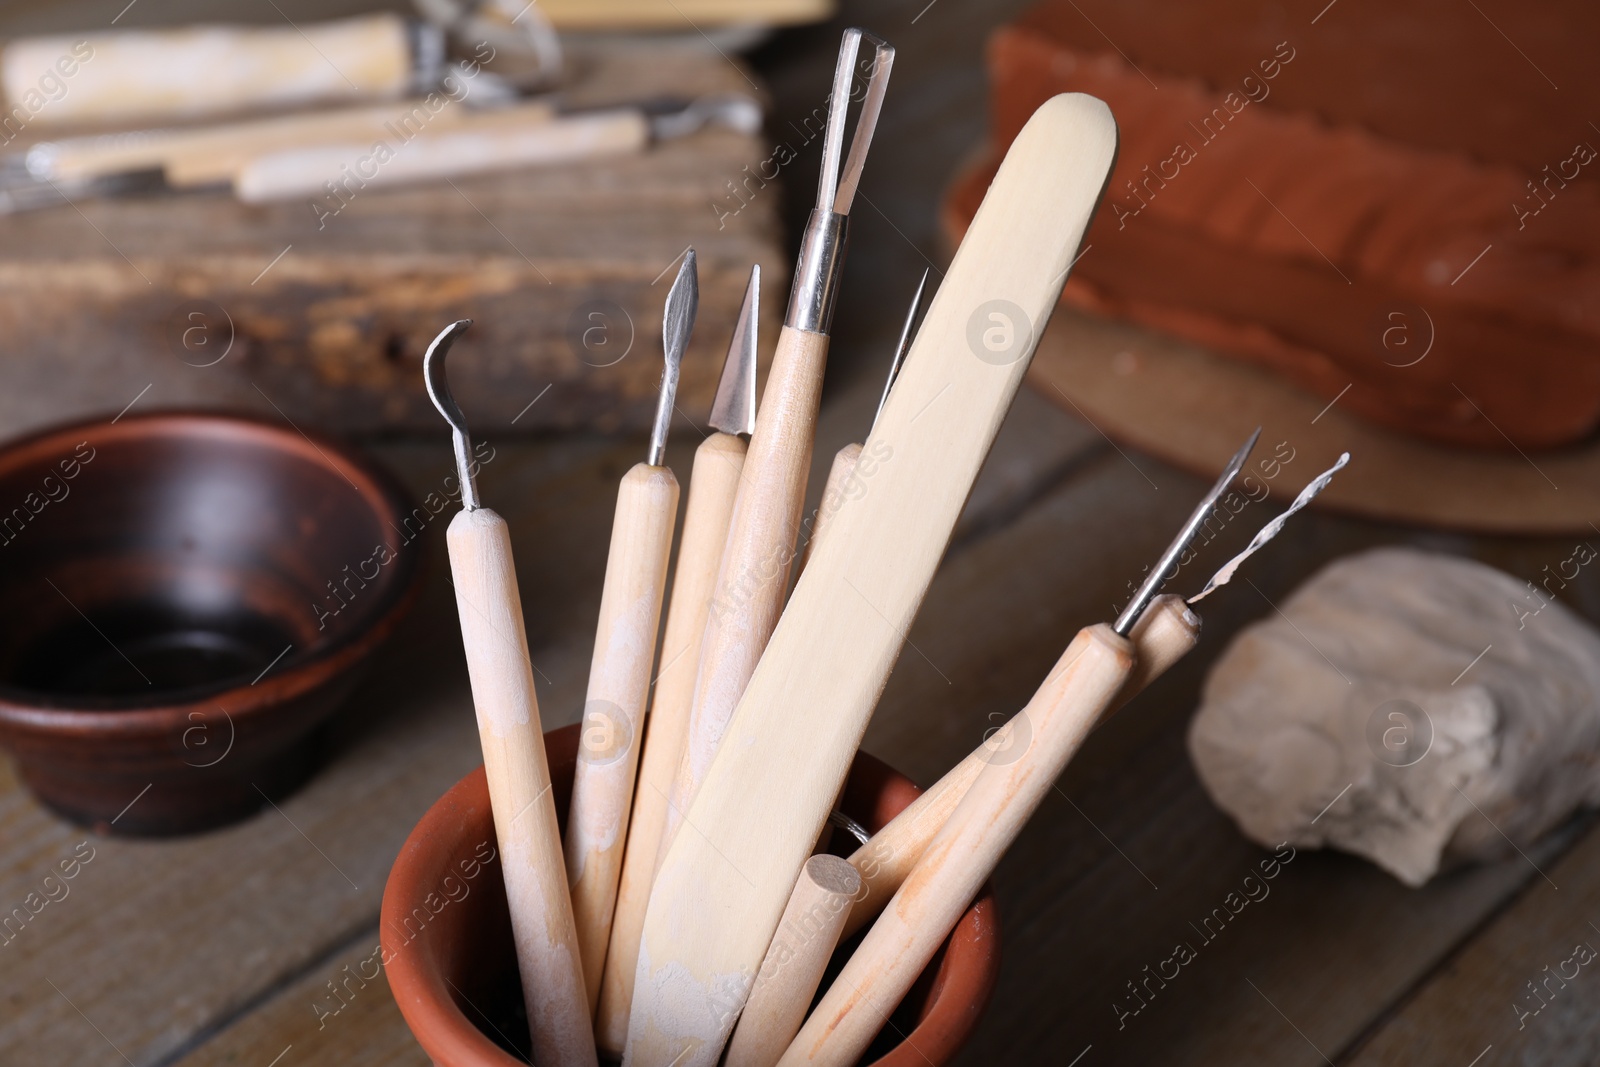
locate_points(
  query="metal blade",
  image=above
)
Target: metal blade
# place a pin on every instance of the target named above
(683, 301)
(734, 410)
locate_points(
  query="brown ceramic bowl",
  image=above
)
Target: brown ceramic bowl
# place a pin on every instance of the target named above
(170, 633)
(448, 955)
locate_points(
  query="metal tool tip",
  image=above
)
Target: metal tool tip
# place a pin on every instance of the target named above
(433, 372)
(438, 387)
(677, 322)
(1180, 544)
(1236, 464)
(683, 301)
(734, 409)
(903, 345)
(837, 189)
(1271, 529)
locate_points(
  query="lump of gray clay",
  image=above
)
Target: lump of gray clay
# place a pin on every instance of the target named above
(1408, 707)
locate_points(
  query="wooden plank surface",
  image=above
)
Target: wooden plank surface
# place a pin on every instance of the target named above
(1479, 1004)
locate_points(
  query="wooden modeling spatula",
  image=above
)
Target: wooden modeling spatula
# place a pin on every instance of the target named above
(724, 882)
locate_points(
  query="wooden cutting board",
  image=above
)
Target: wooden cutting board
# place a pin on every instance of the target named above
(170, 300)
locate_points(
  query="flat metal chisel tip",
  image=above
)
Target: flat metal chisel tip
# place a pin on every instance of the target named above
(734, 410)
(677, 322)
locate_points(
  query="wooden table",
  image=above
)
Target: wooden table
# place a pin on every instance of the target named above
(223, 949)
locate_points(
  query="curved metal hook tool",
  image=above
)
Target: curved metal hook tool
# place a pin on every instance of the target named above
(439, 393)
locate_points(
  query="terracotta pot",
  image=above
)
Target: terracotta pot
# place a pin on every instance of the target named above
(168, 635)
(446, 935)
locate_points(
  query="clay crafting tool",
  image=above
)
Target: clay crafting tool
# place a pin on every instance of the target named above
(842, 482)
(513, 751)
(624, 652)
(1163, 635)
(722, 888)
(793, 968)
(713, 483)
(1079, 689)
(205, 155)
(464, 151)
(766, 517)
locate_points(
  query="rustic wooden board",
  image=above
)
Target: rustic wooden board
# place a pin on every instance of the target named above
(1474, 1005)
(311, 1026)
(332, 333)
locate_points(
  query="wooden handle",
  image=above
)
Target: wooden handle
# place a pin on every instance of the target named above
(1164, 634)
(206, 154)
(613, 713)
(353, 168)
(964, 853)
(127, 75)
(713, 484)
(722, 888)
(755, 563)
(226, 151)
(792, 971)
(841, 485)
(519, 788)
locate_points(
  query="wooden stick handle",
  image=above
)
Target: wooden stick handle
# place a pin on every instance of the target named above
(128, 75)
(713, 484)
(721, 890)
(755, 562)
(789, 976)
(519, 788)
(1164, 634)
(840, 486)
(203, 155)
(355, 167)
(964, 852)
(226, 151)
(613, 713)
